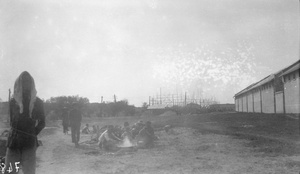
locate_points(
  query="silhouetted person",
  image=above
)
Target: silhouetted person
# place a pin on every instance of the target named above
(75, 122)
(27, 119)
(65, 120)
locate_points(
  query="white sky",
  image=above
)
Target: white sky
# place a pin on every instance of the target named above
(133, 48)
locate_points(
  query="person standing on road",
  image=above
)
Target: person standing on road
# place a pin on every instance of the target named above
(27, 119)
(75, 123)
(65, 120)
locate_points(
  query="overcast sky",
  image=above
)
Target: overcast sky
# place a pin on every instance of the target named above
(134, 48)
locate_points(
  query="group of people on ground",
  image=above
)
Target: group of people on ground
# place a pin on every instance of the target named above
(109, 137)
(116, 136)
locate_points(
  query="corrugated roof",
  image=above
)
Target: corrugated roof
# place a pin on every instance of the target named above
(257, 84)
(293, 68)
(286, 70)
(264, 81)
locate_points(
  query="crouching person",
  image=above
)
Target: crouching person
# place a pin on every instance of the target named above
(108, 141)
(146, 137)
(86, 129)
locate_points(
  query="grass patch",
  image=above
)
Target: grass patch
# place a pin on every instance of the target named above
(269, 147)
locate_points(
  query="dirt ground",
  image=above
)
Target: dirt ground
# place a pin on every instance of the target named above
(195, 145)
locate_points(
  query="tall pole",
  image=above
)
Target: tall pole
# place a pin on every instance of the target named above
(8, 116)
(185, 99)
(160, 95)
(173, 99)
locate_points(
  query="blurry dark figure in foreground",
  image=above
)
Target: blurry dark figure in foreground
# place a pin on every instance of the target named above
(65, 120)
(75, 123)
(27, 119)
(146, 136)
(108, 141)
(86, 129)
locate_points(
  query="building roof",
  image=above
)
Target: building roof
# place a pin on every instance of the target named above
(286, 70)
(292, 69)
(158, 106)
(257, 84)
(263, 81)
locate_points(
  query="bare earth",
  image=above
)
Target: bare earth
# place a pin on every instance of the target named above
(227, 143)
(184, 150)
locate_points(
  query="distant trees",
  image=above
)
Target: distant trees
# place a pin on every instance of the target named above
(111, 109)
(54, 105)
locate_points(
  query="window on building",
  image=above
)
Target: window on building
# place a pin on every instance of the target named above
(289, 77)
(294, 76)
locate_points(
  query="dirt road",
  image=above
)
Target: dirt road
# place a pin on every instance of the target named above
(209, 143)
(185, 150)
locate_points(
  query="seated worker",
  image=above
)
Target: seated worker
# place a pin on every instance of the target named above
(117, 130)
(136, 128)
(108, 140)
(94, 129)
(86, 129)
(126, 124)
(146, 136)
(126, 131)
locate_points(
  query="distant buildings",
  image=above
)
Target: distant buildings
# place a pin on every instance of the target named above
(276, 93)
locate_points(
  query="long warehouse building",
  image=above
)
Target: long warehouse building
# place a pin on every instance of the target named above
(276, 93)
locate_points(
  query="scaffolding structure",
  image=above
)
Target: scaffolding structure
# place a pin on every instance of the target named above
(180, 100)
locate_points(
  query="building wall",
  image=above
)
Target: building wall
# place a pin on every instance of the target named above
(236, 104)
(257, 106)
(250, 103)
(279, 102)
(240, 104)
(292, 97)
(244, 104)
(267, 95)
(265, 100)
